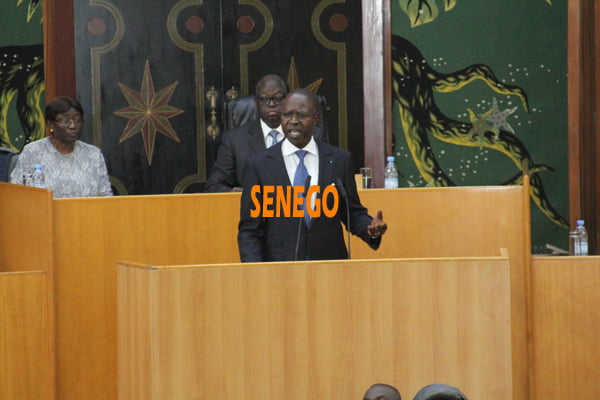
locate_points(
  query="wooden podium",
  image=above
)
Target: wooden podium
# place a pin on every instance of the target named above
(58, 299)
(26, 296)
(314, 330)
(86, 237)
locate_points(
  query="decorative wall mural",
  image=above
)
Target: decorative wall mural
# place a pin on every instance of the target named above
(32, 6)
(21, 75)
(423, 11)
(22, 82)
(491, 121)
(414, 82)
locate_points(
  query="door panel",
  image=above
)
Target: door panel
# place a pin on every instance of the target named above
(144, 69)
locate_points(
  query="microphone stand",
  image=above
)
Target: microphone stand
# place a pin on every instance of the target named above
(344, 194)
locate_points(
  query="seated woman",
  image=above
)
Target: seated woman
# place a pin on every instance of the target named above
(71, 167)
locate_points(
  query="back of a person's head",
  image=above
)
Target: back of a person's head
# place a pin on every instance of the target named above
(382, 391)
(439, 391)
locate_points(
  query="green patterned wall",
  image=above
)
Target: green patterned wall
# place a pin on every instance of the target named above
(480, 91)
(21, 73)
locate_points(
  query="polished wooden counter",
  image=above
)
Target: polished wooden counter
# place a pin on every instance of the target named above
(566, 327)
(314, 330)
(27, 357)
(86, 237)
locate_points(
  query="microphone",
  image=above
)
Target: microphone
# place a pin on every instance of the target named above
(306, 205)
(340, 186)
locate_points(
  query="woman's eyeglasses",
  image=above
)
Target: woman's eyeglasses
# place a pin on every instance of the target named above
(67, 122)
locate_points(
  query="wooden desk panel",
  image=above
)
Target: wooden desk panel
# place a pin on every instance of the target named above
(26, 228)
(26, 352)
(27, 358)
(314, 330)
(91, 235)
(566, 327)
(448, 222)
(459, 221)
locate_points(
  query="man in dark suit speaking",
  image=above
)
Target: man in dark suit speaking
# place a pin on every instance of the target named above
(284, 238)
(237, 144)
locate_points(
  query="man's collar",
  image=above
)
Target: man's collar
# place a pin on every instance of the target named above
(288, 148)
(266, 128)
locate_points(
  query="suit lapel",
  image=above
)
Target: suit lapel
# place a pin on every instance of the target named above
(257, 139)
(326, 164)
(276, 165)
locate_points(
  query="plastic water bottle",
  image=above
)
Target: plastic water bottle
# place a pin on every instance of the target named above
(390, 175)
(37, 178)
(581, 244)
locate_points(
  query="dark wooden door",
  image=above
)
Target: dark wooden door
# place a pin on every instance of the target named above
(152, 76)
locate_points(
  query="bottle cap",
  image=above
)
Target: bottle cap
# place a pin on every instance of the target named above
(38, 166)
(390, 158)
(580, 222)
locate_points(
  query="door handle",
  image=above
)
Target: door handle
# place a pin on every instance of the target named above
(213, 129)
(232, 93)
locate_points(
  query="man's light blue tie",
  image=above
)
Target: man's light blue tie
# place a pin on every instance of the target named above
(300, 180)
(273, 135)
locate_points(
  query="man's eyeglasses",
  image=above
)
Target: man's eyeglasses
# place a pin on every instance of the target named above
(67, 122)
(299, 116)
(277, 99)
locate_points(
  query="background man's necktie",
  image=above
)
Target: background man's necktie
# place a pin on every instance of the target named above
(273, 135)
(300, 180)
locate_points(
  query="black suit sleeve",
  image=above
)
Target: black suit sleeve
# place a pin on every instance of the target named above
(359, 217)
(251, 231)
(222, 176)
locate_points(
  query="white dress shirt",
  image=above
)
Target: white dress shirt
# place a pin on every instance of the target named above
(311, 160)
(265, 131)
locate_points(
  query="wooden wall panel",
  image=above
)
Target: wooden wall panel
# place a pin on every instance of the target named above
(454, 222)
(584, 131)
(26, 352)
(447, 222)
(26, 228)
(59, 48)
(377, 86)
(324, 330)
(566, 322)
(91, 236)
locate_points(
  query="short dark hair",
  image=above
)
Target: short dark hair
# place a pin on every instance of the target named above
(60, 105)
(309, 95)
(270, 77)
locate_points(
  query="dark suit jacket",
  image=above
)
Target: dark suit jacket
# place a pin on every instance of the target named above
(274, 239)
(236, 146)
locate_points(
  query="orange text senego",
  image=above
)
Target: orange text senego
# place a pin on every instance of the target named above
(286, 201)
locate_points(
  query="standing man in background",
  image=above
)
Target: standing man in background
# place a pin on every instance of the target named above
(239, 143)
(320, 238)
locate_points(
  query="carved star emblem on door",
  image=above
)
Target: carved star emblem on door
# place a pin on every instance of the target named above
(294, 82)
(148, 112)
